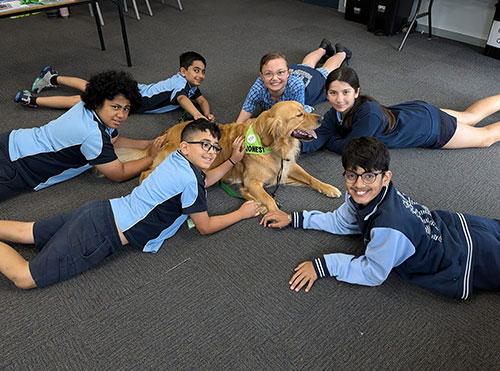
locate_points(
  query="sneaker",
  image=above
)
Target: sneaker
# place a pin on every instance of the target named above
(43, 81)
(348, 54)
(327, 45)
(24, 97)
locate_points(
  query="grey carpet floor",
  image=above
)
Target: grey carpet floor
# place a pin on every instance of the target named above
(222, 301)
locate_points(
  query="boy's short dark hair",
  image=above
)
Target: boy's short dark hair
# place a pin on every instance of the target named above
(188, 58)
(368, 153)
(197, 126)
(109, 84)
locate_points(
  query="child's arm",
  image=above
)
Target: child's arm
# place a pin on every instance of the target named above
(121, 142)
(254, 96)
(243, 116)
(325, 132)
(387, 249)
(186, 103)
(206, 224)
(341, 221)
(205, 108)
(118, 171)
(365, 122)
(214, 175)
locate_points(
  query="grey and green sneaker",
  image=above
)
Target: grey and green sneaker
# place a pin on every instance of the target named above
(25, 98)
(45, 80)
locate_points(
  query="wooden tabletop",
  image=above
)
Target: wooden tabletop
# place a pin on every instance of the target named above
(30, 8)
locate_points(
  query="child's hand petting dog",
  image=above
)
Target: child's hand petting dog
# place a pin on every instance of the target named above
(276, 219)
(238, 149)
(156, 146)
(249, 209)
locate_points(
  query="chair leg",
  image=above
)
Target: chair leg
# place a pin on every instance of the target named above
(136, 10)
(429, 10)
(125, 6)
(149, 8)
(99, 14)
(179, 3)
(411, 25)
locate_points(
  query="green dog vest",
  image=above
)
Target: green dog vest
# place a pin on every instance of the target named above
(253, 144)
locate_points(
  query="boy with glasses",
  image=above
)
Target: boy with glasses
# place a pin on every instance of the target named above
(73, 242)
(450, 253)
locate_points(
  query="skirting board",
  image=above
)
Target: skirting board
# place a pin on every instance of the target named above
(453, 35)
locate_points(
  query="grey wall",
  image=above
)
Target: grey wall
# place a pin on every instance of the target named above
(468, 21)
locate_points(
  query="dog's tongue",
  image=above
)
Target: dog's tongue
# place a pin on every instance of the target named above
(312, 133)
(306, 133)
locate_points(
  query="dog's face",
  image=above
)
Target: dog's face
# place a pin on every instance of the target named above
(289, 119)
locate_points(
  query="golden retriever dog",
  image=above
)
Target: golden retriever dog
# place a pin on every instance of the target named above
(279, 128)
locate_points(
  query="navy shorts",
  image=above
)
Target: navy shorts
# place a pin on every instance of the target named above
(448, 128)
(486, 252)
(73, 242)
(11, 182)
(314, 82)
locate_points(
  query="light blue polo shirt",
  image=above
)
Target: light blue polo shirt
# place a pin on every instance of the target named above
(61, 149)
(161, 97)
(156, 209)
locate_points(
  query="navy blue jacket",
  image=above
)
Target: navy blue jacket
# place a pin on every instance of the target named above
(417, 125)
(442, 251)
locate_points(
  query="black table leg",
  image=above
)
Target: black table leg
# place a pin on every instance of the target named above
(124, 30)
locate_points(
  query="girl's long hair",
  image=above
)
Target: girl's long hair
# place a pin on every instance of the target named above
(349, 76)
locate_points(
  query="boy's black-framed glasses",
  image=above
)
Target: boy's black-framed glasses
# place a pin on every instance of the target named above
(368, 177)
(207, 146)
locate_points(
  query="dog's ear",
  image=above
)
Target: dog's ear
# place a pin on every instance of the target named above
(270, 129)
(262, 126)
(275, 126)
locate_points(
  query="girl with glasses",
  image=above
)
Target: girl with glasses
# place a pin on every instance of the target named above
(280, 81)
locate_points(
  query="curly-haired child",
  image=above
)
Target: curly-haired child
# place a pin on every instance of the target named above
(83, 137)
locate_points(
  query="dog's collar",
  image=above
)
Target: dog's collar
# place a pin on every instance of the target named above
(253, 144)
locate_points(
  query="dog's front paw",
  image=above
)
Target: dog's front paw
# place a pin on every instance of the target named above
(330, 191)
(262, 209)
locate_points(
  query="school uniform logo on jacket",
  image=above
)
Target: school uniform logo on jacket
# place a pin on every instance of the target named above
(423, 214)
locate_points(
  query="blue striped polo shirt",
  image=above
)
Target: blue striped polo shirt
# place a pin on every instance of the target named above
(161, 97)
(61, 149)
(156, 209)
